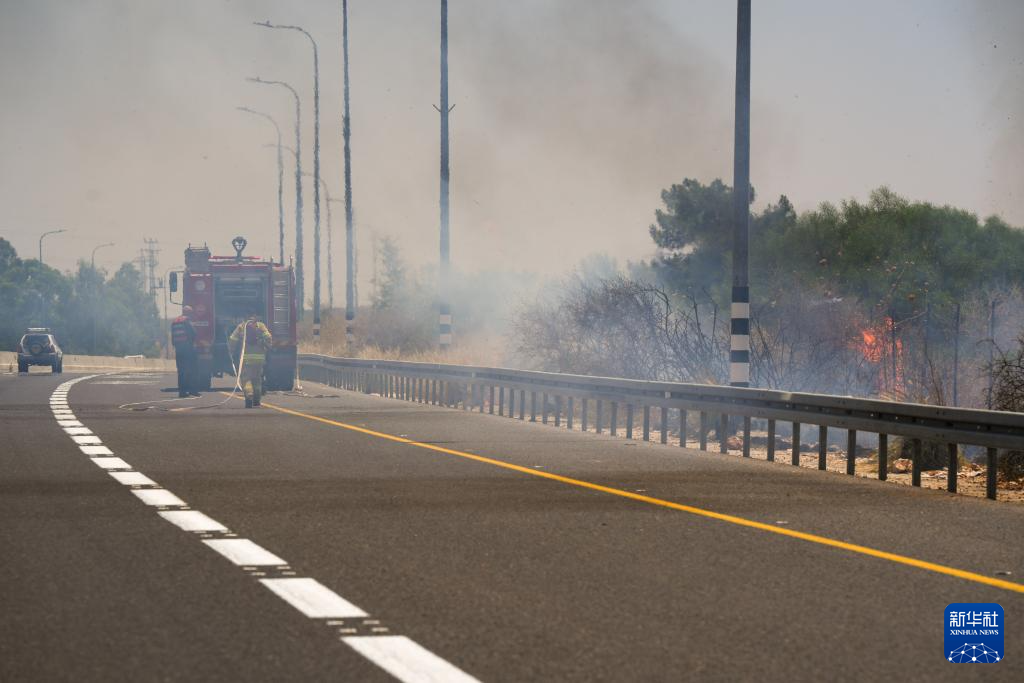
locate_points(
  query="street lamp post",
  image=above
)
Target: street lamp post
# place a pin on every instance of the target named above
(280, 179)
(316, 172)
(300, 281)
(51, 232)
(92, 260)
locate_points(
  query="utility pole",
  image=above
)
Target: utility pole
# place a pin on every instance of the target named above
(300, 281)
(350, 299)
(445, 318)
(739, 353)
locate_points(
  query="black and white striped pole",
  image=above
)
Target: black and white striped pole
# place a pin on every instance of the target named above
(739, 347)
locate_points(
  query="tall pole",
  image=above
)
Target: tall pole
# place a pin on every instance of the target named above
(299, 273)
(316, 173)
(445, 318)
(350, 299)
(739, 353)
(280, 178)
(50, 232)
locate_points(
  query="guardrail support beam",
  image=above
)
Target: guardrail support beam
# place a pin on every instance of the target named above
(883, 457)
(952, 467)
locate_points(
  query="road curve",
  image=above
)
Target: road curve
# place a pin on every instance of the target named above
(362, 538)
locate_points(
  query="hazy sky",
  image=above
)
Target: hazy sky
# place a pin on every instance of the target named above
(118, 119)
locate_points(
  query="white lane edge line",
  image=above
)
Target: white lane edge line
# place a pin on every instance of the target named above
(91, 440)
(96, 450)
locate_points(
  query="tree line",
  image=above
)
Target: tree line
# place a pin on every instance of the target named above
(87, 311)
(889, 297)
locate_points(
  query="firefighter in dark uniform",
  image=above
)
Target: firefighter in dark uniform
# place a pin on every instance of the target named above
(183, 336)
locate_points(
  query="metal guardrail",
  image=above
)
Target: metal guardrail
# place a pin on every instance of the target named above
(581, 399)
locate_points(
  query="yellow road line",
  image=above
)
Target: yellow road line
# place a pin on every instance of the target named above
(739, 521)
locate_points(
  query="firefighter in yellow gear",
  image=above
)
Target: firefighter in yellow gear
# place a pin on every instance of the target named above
(257, 341)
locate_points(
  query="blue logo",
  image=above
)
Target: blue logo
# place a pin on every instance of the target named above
(974, 633)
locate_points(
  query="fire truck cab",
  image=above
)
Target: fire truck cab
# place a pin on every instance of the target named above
(223, 291)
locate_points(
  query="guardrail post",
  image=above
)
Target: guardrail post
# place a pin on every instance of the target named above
(991, 461)
(822, 447)
(682, 428)
(570, 413)
(851, 451)
(613, 426)
(647, 423)
(490, 402)
(746, 436)
(544, 408)
(703, 431)
(501, 401)
(664, 424)
(883, 457)
(558, 411)
(771, 440)
(629, 421)
(522, 404)
(915, 472)
(599, 415)
(794, 458)
(952, 467)
(533, 406)
(723, 430)
(583, 414)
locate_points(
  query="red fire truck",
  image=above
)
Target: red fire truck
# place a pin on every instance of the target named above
(223, 291)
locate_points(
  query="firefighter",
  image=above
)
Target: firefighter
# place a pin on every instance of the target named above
(183, 336)
(257, 343)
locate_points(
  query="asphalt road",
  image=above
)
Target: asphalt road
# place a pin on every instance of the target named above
(440, 560)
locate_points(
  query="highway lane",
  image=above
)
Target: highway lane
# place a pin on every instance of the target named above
(505, 575)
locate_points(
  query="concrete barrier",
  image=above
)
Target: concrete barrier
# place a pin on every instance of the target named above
(9, 363)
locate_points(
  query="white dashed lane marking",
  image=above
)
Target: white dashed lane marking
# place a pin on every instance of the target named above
(400, 656)
(406, 659)
(244, 552)
(158, 497)
(77, 431)
(111, 463)
(96, 450)
(313, 599)
(191, 520)
(133, 478)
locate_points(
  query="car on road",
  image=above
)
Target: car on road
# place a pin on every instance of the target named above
(38, 346)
